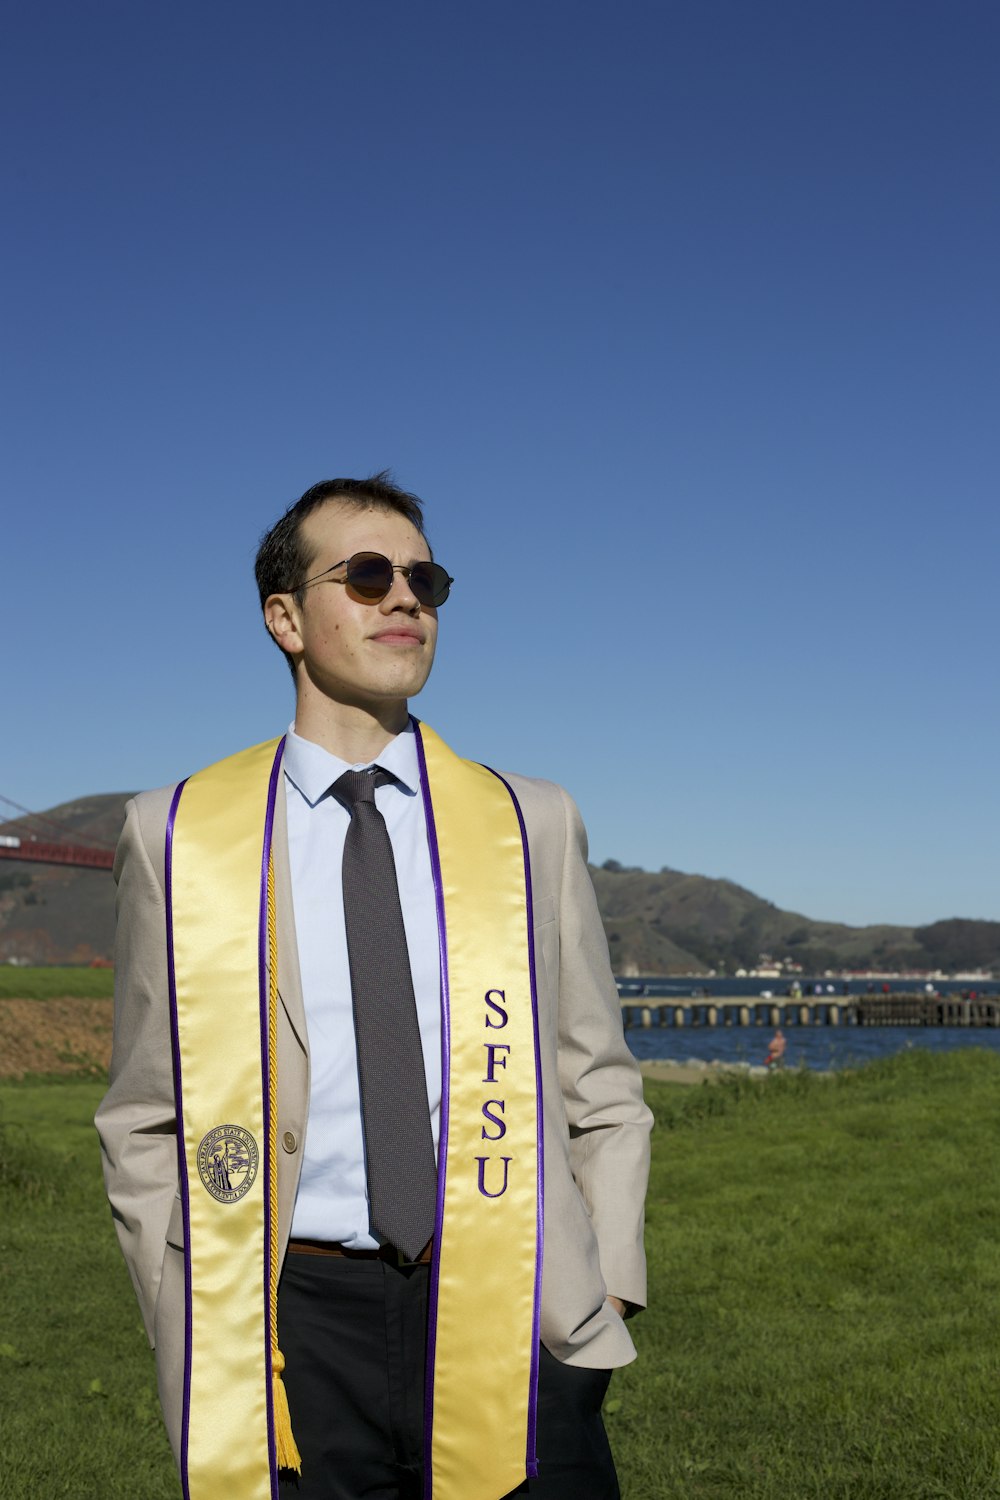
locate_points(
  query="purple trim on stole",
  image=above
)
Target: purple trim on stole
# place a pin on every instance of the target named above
(432, 1295)
(531, 1456)
(175, 1048)
(262, 959)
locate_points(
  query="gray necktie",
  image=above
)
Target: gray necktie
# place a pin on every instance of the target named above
(399, 1147)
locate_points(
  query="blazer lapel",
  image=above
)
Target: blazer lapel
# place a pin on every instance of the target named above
(289, 978)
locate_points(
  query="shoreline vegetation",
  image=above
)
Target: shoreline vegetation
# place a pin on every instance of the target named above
(56, 983)
(824, 1312)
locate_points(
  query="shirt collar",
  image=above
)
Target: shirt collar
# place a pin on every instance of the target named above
(313, 770)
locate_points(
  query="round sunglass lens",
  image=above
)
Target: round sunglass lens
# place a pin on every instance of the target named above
(370, 575)
(430, 583)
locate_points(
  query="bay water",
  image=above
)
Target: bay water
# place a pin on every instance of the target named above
(819, 1047)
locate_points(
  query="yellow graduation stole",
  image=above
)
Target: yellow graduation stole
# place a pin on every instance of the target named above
(486, 1268)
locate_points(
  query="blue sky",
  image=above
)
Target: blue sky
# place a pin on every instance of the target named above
(683, 320)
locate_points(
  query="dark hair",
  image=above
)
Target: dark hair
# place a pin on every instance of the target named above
(283, 558)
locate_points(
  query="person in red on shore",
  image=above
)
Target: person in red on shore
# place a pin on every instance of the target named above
(776, 1050)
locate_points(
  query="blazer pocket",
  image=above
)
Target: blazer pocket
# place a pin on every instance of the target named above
(175, 1226)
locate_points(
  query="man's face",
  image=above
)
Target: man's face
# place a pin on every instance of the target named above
(354, 652)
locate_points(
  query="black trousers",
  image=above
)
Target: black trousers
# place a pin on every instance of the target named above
(354, 1337)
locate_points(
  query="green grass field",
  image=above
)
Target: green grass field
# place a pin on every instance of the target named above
(825, 1297)
(55, 984)
(77, 1389)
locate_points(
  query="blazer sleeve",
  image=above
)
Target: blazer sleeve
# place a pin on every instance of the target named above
(136, 1120)
(609, 1123)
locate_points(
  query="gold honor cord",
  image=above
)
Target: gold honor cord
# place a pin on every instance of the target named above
(483, 1336)
(286, 1453)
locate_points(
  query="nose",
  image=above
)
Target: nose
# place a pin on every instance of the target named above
(400, 596)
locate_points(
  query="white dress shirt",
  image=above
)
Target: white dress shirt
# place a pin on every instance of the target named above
(332, 1201)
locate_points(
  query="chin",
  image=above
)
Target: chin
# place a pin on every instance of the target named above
(406, 688)
(409, 679)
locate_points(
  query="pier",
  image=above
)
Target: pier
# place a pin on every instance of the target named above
(854, 1010)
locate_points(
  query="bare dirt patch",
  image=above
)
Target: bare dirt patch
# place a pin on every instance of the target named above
(55, 1036)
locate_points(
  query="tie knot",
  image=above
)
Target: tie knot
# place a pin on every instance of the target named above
(359, 786)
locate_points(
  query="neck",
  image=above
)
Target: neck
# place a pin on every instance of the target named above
(353, 733)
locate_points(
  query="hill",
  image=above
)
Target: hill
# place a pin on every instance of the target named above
(665, 923)
(672, 923)
(54, 914)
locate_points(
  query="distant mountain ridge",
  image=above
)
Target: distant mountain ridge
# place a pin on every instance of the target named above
(672, 923)
(665, 923)
(54, 914)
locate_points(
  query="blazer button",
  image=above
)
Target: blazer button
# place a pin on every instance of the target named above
(288, 1140)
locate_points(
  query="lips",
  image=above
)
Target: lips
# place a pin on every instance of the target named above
(399, 636)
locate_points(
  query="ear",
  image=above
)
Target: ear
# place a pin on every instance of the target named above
(281, 616)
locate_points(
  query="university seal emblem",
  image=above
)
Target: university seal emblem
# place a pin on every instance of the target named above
(227, 1162)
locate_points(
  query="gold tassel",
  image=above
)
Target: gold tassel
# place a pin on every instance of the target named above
(287, 1454)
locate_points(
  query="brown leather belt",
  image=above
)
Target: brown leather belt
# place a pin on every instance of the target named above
(388, 1253)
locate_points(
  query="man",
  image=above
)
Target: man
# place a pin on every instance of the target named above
(374, 1145)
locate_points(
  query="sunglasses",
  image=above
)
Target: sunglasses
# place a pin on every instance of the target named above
(371, 576)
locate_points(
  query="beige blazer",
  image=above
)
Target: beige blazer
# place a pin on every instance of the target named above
(596, 1124)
